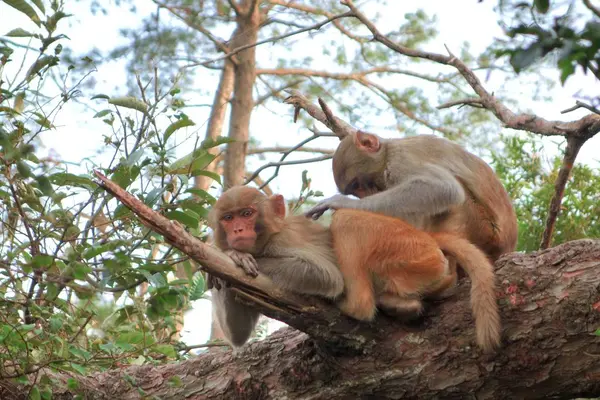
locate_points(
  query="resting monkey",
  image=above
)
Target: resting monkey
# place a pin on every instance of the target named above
(429, 182)
(383, 261)
(295, 252)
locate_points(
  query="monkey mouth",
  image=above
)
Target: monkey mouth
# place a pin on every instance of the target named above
(242, 243)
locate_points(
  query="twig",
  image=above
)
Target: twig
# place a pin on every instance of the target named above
(462, 102)
(574, 144)
(581, 104)
(271, 40)
(293, 162)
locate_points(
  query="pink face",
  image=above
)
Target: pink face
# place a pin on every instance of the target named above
(239, 227)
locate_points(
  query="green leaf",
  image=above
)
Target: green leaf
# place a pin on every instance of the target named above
(79, 368)
(44, 185)
(72, 383)
(56, 322)
(34, 393)
(18, 32)
(42, 261)
(80, 270)
(39, 4)
(66, 179)
(184, 218)
(542, 5)
(25, 8)
(129, 102)
(165, 349)
(203, 194)
(39, 64)
(177, 125)
(214, 176)
(197, 288)
(102, 113)
(100, 96)
(133, 337)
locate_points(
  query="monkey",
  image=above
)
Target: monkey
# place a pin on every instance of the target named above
(294, 252)
(391, 265)
(380, 262)
(431, 183)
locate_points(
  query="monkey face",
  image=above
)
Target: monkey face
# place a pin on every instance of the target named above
(239, 227)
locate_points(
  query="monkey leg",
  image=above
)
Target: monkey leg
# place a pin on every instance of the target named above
(359, 297)
(400, 307)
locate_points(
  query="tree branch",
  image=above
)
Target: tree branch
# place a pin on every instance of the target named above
(586, 126)
(549, 305)
(574, 144)
(339, 127)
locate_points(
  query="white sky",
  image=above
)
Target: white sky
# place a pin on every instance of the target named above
(79, 136)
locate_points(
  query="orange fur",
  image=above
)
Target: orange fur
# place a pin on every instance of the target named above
(387, 262)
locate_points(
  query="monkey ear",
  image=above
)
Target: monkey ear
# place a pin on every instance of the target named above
(367, 142)
(278, 204)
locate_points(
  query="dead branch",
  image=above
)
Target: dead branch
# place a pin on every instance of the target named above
(461, 102)
(341, 128)
(574, 144)
(318, 318)
(581, 104)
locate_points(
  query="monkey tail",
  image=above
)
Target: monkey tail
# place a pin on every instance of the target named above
(483, 294)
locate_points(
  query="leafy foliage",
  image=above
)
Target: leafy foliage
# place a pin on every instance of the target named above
(83, 285)
(569, 31)
(530, 183)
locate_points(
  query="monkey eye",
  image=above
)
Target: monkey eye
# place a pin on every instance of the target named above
(247, 212)
(227, 217)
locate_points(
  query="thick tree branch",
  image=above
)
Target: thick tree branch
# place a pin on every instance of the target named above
(319, 319)
(549, 307)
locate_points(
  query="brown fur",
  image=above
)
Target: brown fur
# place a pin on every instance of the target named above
(397, 273)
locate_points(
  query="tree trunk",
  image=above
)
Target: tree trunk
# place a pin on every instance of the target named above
(217, 119)
(242, 103)
(549, 301)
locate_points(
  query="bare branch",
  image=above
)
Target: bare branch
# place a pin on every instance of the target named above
(574, 144)
(309, 314)
(580, 104)
(235, 7)
(271, 40)
(586, 126)
(298, 100)
(462, 102)
(280, 149)
(293, 162)
(591, 7)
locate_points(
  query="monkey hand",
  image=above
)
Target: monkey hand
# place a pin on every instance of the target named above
(245, 261)
(333, 203)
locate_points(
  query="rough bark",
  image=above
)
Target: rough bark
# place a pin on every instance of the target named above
(550, 310)
(246, 33)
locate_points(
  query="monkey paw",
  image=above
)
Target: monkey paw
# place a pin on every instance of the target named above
(245, 261)
(333, 203)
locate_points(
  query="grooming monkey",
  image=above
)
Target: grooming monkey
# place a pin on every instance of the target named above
(429, 182)
(383, 262)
